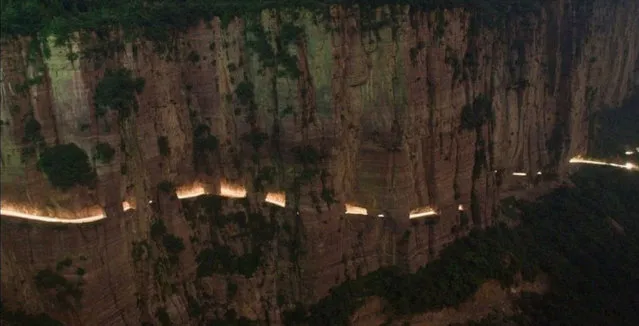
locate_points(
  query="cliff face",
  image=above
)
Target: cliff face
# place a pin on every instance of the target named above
(423, 109)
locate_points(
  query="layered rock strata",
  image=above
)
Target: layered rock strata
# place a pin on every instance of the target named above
(426, 110)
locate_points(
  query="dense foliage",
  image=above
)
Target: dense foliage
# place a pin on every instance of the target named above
(20, 318)
(104, 152)
(219, 258)
(158, 20)
(476, 114)
(116, 91)
(66, 166)
(569, 234)
(33, 140)
(587, 239)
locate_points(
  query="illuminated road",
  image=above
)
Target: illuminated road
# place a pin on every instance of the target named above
(581, 160)
(238, 191)
(184, 192)
(8, 210)
(422, 211)
(355, 210)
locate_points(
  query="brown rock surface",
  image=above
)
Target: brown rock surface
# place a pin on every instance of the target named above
(383, 113)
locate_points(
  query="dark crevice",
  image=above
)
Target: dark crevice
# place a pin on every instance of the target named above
(108, 271)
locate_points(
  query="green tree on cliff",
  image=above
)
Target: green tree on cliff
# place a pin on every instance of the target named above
(116, 91)
(67, 166)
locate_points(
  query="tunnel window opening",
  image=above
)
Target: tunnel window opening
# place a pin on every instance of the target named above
(355, 210)
(422, 211)
(276, 198)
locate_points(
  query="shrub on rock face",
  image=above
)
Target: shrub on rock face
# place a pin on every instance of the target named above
(116, 91)
(163, 145)
(104, 152)
(67, 166)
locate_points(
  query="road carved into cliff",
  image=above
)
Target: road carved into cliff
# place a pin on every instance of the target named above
(184, 192)
(238, 191)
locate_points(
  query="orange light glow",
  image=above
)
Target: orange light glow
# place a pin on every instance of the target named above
(92, 214)
(355, 210)
(126, 206)
(96, 213)
(423, 211)
(232, 191)
(582, 160)
(190, 191)
(276, 198)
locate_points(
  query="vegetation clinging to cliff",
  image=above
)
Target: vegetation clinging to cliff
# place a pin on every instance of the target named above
(205, 144)
(159, 21)
(33, 139)
(462, 268)
(568, 235)
(116, 91)
(66, 166)
(20, 318)
(478, 113)
(219, 258)
(104, 152)
(616, 130)
(48, 279)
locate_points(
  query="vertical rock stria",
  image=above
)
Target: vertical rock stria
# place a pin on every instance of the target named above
(391, 109)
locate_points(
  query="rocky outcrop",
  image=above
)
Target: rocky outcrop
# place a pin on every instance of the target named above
(424, 108)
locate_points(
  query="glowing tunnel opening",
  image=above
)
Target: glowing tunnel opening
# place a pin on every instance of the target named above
(190, 191)
(355, 210)
(232, 191)
(523, 174)
(126, 206)
(276, 198)
(422, 211)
